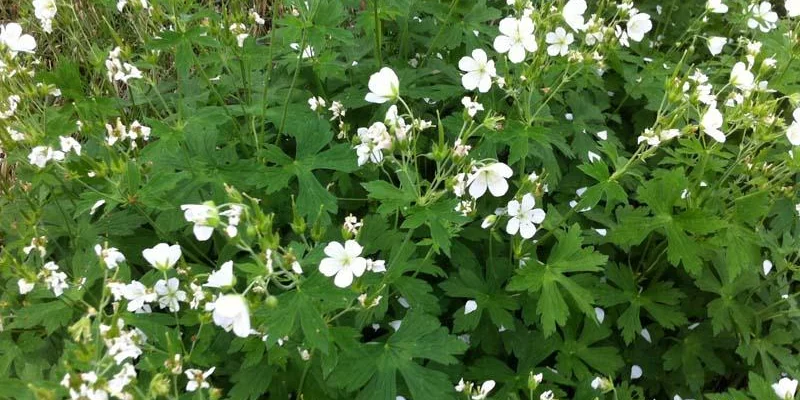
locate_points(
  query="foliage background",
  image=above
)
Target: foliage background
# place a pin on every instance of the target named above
(232, 124)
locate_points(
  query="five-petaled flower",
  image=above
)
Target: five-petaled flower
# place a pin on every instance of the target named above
(343, 261)
(162, 256)
(479, 71)
(197, 379)
(524, 217)
(516, 38)
(492, 177)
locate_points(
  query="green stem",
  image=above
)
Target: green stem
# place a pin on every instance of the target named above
(378, 34)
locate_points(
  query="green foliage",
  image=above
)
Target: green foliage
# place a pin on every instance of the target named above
(628, 236)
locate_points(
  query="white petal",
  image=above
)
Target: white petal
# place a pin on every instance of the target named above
(538, 216)
(527, 229)
(478, 187)
(516, 54)
(513, 226)
(470, 306)
(498, 186)
(502, 44)
(528, 201)
(600, 314)
(471, 80)
(343, 279)
(329, 266)
(636, 372)
(467, 64)
(202, 232)
(335, 250)
(352, 248)
(358, 265)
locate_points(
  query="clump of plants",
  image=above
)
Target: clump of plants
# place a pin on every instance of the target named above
(412, 199)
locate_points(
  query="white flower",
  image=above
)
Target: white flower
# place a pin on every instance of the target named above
(337, 110)
(741, 77)
(603, 384)
(548, 395)
(792, 8)
(383, 86)
(378, 266)
(169, 294)
(116, 385)
(315, 103)
(711, 122)
(470, 306)
(197, 379)
(638, 25)
(137, 130)
(654, 139)
(222, 277)
(373, 140)
(12, 38)
(460, 149)
(45, 11)
(524, 217)
(715, 44)
(396, 124)
(308, 51)
(600, 314)
(25, 286)
(785, 388)
(111, 256)
(122, 3)
(479, 71)
(517, 38)
(68, 144)
(198, 295)
(484, 390)
(138, 296)
(256, 17)
(491, 176)
(559, 42)
(461, 386)
(716, 6)
(344, 262)
(204, 216)
(597, 382)
(162, 255)
(471, 106)
(231, 313)
(762, 17)
(352, 224)
(40, 155)
(55, 279)
(573, 14)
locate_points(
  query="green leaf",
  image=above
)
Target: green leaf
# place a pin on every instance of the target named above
(390, 197)
(550, 280)
(372, 367)
(51, 316)
(659, 299)
(250, 383)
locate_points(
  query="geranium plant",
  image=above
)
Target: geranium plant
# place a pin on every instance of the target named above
(412, 199)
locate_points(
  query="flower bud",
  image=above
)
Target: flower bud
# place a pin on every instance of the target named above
(534, 380)
(159, 385)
